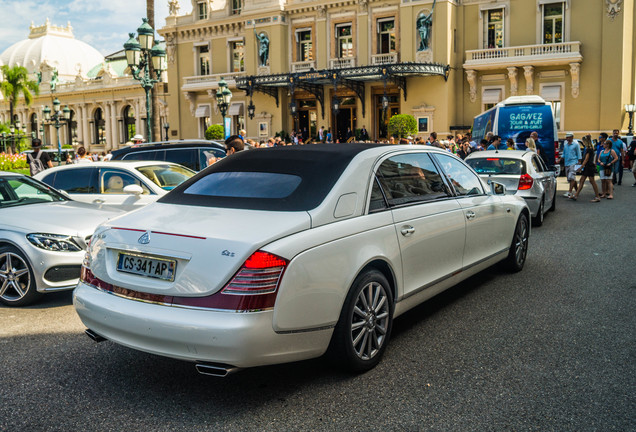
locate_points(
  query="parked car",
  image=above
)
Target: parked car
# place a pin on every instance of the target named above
(317, 247)
(194, 154)
(43, 237)
(523, 173)
(125, 185)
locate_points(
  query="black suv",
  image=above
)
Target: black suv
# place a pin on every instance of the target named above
(193, 154)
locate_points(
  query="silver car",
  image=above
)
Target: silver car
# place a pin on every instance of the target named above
(523, 173)
(43, 238)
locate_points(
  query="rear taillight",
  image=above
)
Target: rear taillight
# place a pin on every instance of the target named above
(258, 275)
(556, 151)
(525, 182)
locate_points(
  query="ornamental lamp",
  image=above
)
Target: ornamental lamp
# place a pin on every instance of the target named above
(47, 112)
(158, 57)
(630, 108)
(250, 110)
(66, 112)
(146, 35)
(17, 123)
(12, 129)
(133, 50)
(56, 105)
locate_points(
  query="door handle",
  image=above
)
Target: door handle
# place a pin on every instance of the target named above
(470, 214)
(407, 230)
(98, 201)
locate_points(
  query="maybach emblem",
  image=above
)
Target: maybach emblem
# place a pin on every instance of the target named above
(145, 238)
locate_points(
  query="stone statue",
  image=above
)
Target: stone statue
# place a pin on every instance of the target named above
(263, 48)
(173, 7)
(424, 24)
(39, 75)
(54, 80)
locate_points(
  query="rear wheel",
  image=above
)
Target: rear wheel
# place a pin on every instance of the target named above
(538, 219)
(364, 327)
(519, 246)
(17, 284)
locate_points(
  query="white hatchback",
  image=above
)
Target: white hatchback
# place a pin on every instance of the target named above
(124, 185)
(283, 254)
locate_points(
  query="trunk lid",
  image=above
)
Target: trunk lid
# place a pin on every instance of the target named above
(207, 245)
(510, 181)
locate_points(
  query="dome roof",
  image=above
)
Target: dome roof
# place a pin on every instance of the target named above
(55, 47)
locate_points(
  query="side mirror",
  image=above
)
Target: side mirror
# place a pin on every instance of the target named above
(65, 194)
(133, 189)
(497, 188)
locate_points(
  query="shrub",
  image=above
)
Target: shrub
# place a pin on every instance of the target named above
(10, 162)
(402, 125)
(214, 132)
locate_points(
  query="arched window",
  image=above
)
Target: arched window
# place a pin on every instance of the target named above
(72, 129)
(100, 127)
(34, 125)
(129, 123)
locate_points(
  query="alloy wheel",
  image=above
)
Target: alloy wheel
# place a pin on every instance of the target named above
(15, 278)
(521, 241)
(370, 320)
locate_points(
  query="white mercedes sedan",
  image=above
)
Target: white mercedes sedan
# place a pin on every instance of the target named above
(288, 253)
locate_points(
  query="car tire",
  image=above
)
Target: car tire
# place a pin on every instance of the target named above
(553, 206)
(17, 283)
(519, 246)
(364, 327)
(538, 219)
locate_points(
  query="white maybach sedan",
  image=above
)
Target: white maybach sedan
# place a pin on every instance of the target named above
(284, 254)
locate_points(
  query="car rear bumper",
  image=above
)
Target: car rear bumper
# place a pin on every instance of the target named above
(237, 339)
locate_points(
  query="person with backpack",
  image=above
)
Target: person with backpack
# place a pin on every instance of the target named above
(38, 160)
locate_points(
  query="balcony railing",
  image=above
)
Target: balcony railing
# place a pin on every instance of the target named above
(343, 62)
(518, 54)
(380, 59)
(209, 81)
(303, 66)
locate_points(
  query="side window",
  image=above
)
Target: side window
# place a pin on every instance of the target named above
(206, 155)
(145, 155)
(76, 181)
(187, 157)
(49, 179)
(114, 181)
(377, 201)
(536, 165)
(543, 167)
(464, 181)
(410, 178)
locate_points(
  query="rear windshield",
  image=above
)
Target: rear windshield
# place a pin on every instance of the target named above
(166, 176)
(290, 178)
(497, 166)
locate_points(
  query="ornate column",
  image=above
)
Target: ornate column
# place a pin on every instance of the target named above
(575, 69)
(512, 75)
(113, 127)
(86, 138)
(528, 73)
(79, 118)
(471, 76)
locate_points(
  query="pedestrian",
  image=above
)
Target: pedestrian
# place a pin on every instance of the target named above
(432, 140)
(496, 144)
(329, 136)
(571, 158)
(530, 145)
(234, 144)
(108, 156)
(321, 134)
(82, 156)
(510, 143)
(364, 135)
(631, 154)
(606, 159)
(588, 169)
(38, 160)
(137, 139)
(617, 146)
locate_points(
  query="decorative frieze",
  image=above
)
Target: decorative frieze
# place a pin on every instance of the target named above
(512, 75)
(528, 73)
(575, 68)
(471, 76)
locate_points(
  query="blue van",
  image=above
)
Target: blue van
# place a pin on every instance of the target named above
(517, 117)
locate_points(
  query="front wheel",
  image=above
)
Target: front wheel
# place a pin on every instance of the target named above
(519, 245)
(17, 284)
(365, 323)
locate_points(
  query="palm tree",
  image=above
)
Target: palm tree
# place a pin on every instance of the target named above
(156, 130)
(16, 81)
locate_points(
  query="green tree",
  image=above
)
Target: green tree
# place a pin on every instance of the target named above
(16, 82)
(214, 132)
(156, 128)
(402, 125)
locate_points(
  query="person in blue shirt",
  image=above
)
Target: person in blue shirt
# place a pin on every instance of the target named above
(571, 158)
(617, 146)
(497, 144)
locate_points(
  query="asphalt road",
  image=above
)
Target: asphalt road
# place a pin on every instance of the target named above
(549, 349)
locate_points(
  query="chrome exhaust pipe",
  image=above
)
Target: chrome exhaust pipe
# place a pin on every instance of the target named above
(216, 370)
(91, 334)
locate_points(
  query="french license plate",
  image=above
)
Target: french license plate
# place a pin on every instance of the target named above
(145, 266)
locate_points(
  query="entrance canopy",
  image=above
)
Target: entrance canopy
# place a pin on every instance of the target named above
(354, 78)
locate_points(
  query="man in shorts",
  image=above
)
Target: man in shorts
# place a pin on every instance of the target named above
(571, 158)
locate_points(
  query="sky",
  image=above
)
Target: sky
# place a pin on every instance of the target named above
(103, 24)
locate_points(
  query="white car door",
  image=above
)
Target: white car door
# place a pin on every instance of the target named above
(111, 183)
(429, 222)
(484, 213)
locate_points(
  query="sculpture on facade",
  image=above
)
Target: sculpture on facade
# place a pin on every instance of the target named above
(263, 48)
(424, 24)
(54, 80)
(173, 7)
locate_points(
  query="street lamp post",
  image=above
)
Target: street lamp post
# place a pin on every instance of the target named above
(166, 127)
(630, 109)
(57, 118)
(223, 98)
(16, 133)
(139, 55)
